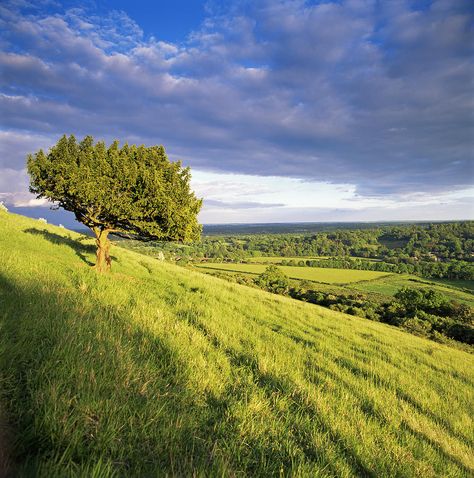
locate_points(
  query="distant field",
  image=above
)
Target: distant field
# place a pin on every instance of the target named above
(389, 285)
(317, 274)
(155, 370)
(352, 281)
(464, 284)
(279, 259)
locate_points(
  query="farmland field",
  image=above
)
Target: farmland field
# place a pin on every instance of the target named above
(380, 285)
(279, 259)
(391, 284)
(459, 284)
(316, 274)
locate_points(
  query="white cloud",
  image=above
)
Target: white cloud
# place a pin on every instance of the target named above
(369, 100)
(25, 202)
(225, 197)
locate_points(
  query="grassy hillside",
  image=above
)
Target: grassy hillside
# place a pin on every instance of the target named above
(154, 370)
(279, 259)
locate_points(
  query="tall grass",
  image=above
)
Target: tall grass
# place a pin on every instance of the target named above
(155, 370)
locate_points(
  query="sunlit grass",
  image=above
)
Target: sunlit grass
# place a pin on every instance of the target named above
(156, 370)
(391, 284)
(318, 274)
(383, 285)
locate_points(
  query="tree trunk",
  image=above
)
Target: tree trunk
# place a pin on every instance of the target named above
(103, 250)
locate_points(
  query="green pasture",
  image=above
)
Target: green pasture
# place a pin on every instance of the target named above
(380, 285)
(317, 274)
(158, 371)
(280, 259)
(389, 285)
(457, 284)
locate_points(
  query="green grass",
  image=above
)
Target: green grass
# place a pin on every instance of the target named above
(317, 274)
(381, 287)
(389, 285)
(279, 259)
(155, 370)
(457, 284)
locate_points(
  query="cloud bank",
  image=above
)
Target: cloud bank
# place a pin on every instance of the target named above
(374, 94)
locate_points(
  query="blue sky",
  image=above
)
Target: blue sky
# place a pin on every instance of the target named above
(286, 110)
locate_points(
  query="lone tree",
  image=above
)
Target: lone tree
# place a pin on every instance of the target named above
(132, 191)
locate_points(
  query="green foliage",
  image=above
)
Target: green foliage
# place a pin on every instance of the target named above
(133, 190)
(189, 375)
(438, 251)
(429, 301)
(417, 326)
(444, 309)
(273, 280)
(461, 332)
(423, 312)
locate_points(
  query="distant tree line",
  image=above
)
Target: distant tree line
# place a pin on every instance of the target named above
(437, 250)
(430, 242)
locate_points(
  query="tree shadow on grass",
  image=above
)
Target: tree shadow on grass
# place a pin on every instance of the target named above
(80, 249)
(86, 386)
(299, 406)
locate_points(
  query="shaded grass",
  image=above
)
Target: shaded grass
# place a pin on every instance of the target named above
(155, 370)
(77, 244)
(467, 285)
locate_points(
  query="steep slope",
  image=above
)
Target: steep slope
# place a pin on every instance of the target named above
(155, 370)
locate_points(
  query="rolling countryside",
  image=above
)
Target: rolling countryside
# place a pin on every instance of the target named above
(120, 374)
(326, 275)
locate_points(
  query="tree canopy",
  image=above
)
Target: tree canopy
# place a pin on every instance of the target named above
(132, 191)
(274, 280)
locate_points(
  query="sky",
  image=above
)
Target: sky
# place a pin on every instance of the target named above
(285, 110)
